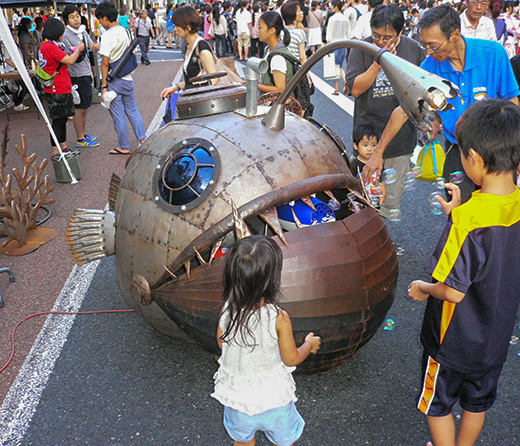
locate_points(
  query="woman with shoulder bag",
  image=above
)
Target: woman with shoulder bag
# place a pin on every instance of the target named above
(198, 54)
(59, 95)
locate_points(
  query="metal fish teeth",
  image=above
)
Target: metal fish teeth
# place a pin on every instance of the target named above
(241, 229)
(91, 235)
(271, 218)
(115, 184)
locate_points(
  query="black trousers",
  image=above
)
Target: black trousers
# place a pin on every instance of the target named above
(19, 94)
(144, 44)
(59, 125)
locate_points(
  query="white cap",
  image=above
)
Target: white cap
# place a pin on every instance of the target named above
(108, 98)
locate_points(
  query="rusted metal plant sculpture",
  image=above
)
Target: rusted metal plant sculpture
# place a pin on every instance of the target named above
(18, 209)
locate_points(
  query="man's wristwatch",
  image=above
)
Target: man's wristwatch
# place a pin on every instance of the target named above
(104, 86)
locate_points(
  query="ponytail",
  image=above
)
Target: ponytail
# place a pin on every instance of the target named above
(286, 37)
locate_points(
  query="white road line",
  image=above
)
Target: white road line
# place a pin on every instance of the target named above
(20, 403)
(341, 100)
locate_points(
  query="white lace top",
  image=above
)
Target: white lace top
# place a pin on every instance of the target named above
(254, 380)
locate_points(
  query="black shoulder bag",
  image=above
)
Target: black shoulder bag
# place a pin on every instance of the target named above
(126, 63)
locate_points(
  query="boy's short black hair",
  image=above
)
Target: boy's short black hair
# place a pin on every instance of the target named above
(107, 9)
(53, 29)
(68, 10)
(364, 130)
(491, 128)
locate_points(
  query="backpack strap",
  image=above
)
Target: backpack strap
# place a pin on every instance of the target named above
(288, 58)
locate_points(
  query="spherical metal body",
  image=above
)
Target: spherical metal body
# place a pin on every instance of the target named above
(338, 278)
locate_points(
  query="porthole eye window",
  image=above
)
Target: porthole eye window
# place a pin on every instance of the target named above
(188, 174)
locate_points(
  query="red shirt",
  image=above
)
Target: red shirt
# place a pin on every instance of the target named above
(50, 56)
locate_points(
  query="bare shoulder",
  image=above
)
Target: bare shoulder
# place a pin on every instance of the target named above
(283, 320)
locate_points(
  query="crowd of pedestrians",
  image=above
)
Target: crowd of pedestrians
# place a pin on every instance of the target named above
(234, 29)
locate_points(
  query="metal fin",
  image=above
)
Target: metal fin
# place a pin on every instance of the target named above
(143, 287)
(297, 222)
(91, 235)
(187, 265)
(241, 229)
(331, 195)
(115, 184)
(271, 218)
(364, 200)
(170, 273)
(201, 260)
(308, 202)
(214, 250)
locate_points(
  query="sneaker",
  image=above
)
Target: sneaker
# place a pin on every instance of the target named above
(87, 143)
(90, 137)
(21, 107)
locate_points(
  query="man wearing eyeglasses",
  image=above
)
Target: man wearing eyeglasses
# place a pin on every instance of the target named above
(375, 99)
(480, 68)
(474, 23)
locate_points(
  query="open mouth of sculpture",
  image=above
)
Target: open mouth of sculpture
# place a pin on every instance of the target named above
(261, 216)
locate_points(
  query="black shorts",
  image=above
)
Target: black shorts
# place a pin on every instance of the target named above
(84, 84)
(442, 387)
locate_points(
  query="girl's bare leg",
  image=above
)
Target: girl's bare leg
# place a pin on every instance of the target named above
(249, 443)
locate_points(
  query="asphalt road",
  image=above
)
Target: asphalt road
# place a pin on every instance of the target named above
(119, 382)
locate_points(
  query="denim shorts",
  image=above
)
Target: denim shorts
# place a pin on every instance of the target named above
(282, 426)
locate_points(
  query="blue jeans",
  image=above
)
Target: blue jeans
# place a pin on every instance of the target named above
(124, 104)
(144, 44)
(220, 45)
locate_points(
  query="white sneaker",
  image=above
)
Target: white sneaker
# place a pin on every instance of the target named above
(21, 107)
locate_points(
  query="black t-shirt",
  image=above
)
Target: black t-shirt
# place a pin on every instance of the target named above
(375, 106)
(193, 67)
(356, 164)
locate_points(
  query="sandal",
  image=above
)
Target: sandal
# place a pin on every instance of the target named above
(118, 151)
(336, 93)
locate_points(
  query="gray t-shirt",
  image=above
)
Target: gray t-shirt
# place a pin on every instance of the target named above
(71, 39)
(377, 104)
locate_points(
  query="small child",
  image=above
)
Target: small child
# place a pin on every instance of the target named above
(254, 381)
(474, 297)
(365, 138)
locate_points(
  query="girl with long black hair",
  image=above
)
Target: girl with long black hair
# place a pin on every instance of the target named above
(254, 381)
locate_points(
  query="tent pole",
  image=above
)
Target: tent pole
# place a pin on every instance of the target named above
(96, 58)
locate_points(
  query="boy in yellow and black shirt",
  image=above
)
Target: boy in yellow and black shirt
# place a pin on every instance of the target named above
(475, 294)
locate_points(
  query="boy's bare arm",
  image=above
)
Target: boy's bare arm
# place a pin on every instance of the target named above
(420, 290)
